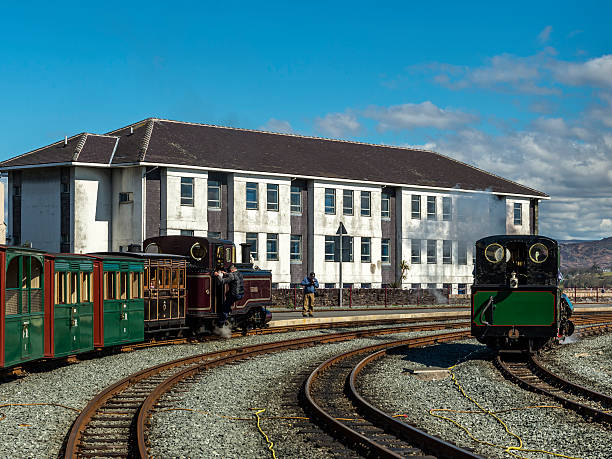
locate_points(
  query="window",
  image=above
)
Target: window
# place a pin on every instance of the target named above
(125, 197)
(136, 284)
(214, 194)
(384, 251)
(385, 206)
(431, 207)
(448, 288)
(347, 202)
(86, 287)
(215, 234)
(347, 285)
(415, 286)
(347, 248)
(60, 288)
(272, 197)
(366, 285)
(274, 285)
(416, 206)
(123, 286)
(330, 201)
(366, 198)
(186, 232)
(73, 286)
(447, 209)
(186, 191)
(296, 247)
(461, 289)
(366, 243)
(272, 247)
(330, 285)
(251, 196)
(330, 248)
(415, 251)
(447, 252)
(251, 238)
(432, 255)
(518, 213)
(462, 253)
(432, 286)
(296, 200)
(109, 285)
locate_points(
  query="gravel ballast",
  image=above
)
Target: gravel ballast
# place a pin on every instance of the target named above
(551, 429)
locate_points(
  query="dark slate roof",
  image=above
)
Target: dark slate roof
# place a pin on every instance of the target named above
(158, 141)
(84, 147)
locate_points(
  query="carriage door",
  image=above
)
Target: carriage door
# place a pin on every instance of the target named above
(75, 320)
(24, 332)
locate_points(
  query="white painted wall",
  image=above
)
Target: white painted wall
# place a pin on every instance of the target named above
(127, 226)
(92, 209)
(40, 208)
(178, 217)
(358, 226)
(263, 221)
(525, 226)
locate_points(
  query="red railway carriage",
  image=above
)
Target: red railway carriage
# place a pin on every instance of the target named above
(205, 293)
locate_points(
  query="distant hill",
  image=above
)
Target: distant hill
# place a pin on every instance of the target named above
(585, 254)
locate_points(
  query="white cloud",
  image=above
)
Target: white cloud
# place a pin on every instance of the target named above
(274, 125)
(410, 116)
(544, 35)
(595, 72)
(338, 124)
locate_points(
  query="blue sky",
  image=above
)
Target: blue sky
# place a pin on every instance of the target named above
(524, 91)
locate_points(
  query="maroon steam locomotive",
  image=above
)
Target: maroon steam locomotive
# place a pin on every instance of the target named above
(204, 295)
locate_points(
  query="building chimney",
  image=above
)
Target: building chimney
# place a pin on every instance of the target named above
(65, 140)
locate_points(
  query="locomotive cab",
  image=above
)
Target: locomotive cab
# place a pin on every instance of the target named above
(516, 298)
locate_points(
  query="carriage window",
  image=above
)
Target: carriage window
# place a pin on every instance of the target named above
(175, 279)
(135, 285)
(36, 275)
(123, 285)
(228, 254)
(24, 272)
(85, 287)
(182, 278)
(109, 285)
(73, 288)
(198, 251)
(60, 288)
(12, 274)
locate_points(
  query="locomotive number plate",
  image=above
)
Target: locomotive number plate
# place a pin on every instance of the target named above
(254, 289)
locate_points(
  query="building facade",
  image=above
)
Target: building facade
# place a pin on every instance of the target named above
(286, 195)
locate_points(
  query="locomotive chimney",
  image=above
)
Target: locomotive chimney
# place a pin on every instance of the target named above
(246, 252)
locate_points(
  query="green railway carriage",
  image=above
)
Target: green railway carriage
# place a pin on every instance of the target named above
(69, 303)
(517, 302)
(21, 305)
(118, 300)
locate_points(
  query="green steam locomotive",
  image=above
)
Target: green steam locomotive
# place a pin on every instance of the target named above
(517, 303)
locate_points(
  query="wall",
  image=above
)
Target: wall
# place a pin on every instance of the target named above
(473, 216)
(40, 205)
(92, 210)
(128, 225)
(263, 221)
(176, 217)
(356, 226)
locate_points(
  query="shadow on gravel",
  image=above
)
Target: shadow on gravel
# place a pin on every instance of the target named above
(444, 355)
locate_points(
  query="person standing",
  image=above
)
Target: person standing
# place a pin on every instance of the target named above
(235, 292)
(311, 284)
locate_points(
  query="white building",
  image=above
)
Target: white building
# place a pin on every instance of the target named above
(286, 194)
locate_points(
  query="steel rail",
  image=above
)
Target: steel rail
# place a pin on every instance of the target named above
(357, 440)
(407, 432)
(531, 375)
(75, 438)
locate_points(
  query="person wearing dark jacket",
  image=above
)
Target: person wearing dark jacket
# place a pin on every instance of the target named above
(311, 284)
(235, 292)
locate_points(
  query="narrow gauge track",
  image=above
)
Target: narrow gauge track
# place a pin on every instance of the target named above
(528, 372)
(330, 394)
(114, 423)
